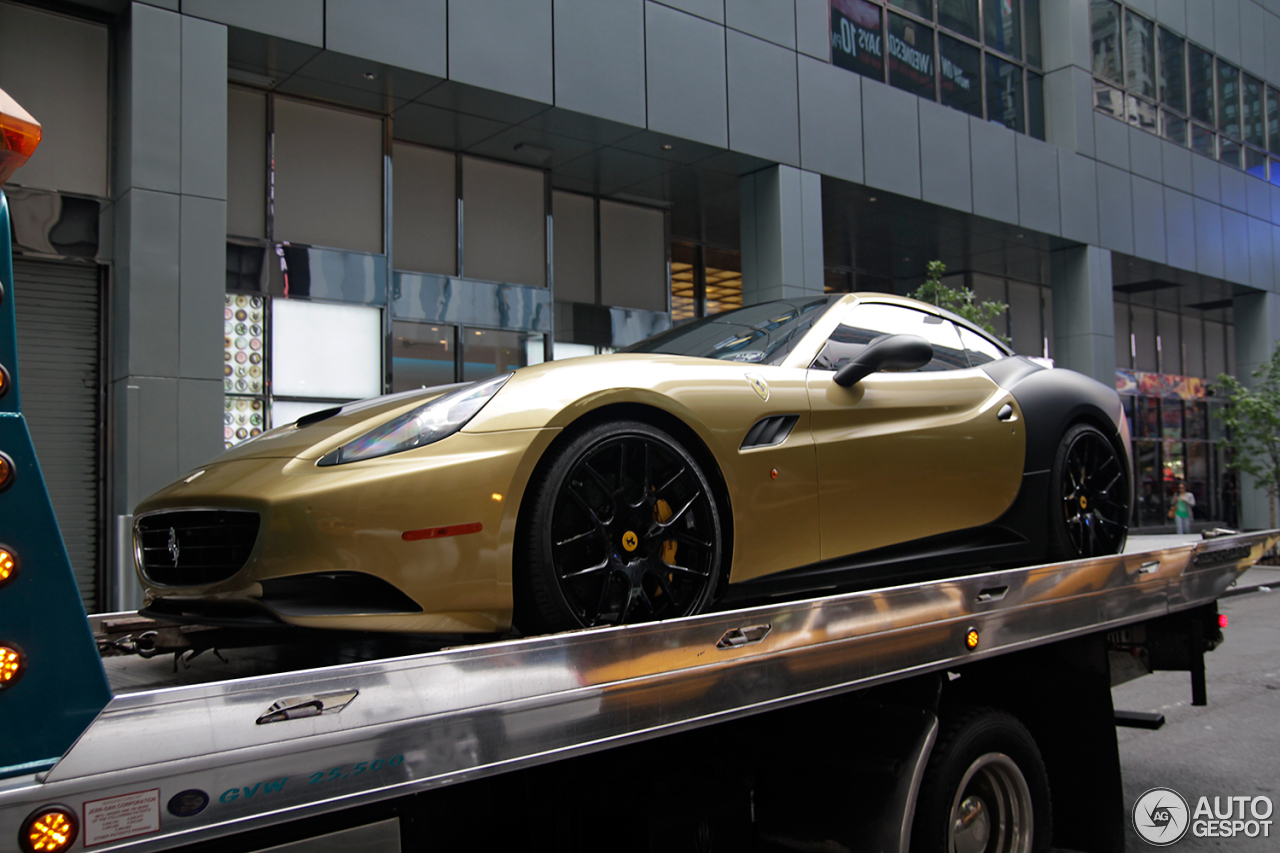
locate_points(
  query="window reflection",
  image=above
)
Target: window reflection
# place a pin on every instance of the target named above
(422, 355)
(487, 352)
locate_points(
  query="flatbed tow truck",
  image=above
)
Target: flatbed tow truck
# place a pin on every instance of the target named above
(966, 714)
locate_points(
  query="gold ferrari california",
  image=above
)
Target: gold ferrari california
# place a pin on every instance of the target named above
(785, 449)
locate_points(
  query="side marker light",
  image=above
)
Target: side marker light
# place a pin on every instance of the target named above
(12, 664)
(8, 472)
(5, 379)
(971, 639)
(8, 565)
(49, 830)
(441, 532)
(1222, 620)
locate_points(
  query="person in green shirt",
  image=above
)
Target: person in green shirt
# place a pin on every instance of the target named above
(1183, 501)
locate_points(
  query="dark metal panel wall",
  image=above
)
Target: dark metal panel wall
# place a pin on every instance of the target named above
(59, 329)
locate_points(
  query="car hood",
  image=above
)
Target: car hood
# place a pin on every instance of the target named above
(318, 435)
(541, 396)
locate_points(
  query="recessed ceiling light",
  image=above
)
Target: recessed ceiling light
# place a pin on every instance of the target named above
(871, 198)
(667, 146)
(369, 75)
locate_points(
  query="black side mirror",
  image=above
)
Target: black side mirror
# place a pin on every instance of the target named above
(887, 352)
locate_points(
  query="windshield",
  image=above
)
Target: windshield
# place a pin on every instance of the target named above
(757, 334)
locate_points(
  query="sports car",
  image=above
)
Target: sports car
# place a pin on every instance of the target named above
(785, 449)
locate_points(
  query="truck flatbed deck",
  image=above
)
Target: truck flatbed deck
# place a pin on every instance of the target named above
(277, 735)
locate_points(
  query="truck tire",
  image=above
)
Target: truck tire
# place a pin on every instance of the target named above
(985, 789)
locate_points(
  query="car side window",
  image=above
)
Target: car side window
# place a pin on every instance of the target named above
(869, 321)
(980, 349)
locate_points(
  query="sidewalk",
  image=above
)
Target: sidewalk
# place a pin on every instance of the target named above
(1253, 578)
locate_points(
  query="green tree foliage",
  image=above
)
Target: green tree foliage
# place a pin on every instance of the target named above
(958, 300)
(1252, 419)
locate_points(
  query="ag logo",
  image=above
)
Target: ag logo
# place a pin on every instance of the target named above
(1161, 816)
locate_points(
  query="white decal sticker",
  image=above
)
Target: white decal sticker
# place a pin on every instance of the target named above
(125, 816)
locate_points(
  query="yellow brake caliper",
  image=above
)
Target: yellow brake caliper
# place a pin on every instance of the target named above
(662, 512)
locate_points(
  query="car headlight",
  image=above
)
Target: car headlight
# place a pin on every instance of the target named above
(429, 422)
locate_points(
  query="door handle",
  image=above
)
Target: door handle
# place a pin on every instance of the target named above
(1006, 413)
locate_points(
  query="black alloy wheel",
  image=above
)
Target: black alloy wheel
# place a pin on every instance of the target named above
(1090, 500)
(624, 528)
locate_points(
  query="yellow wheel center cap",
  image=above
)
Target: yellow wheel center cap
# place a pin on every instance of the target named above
(1084, 502)
(630, 541)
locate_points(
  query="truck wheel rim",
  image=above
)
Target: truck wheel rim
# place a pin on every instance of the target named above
(991, 811)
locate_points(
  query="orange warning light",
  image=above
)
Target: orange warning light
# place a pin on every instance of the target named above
(7, 471)
(19, 136)
(50, 830)
(8, 565)
(12, 666)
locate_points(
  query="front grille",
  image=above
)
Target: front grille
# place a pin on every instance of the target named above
(194, 547)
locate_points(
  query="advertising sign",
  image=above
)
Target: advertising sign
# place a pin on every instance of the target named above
(857, 37)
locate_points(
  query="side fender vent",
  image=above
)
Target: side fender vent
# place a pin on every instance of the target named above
(769, 431)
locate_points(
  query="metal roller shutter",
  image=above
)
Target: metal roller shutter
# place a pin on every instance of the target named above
(59, 327)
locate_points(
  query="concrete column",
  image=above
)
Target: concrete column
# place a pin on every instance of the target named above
(1257, 319)
(169, 194)
(781, 220)
(1068, 79)
(1083, 319)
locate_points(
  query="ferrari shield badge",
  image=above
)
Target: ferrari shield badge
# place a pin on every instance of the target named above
(757, 383)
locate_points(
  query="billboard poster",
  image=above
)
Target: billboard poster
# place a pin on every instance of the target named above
(857, 37)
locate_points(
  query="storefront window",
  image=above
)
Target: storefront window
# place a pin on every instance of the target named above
(1150, 490)
(960, 16)
(1197, 415)
(1273, 119)
(911, 56)
(1171, 419)
(924, 48)
(1174, 127)
(1140, 55)
(1140, 113)
(1255, 128)
(1229, 151)
(1104, 24)
(923, 8)
(961, 67)
(1004, 93)
(724, 281)
(857, 38)
(1202, 141)
(1200, 67)
(684, 300)
(1255, 163)
(1228, 98)
(422, 355)
(1108, 100)
(1002, 26)
(1147, 424)
(1035, 104)
(487, 352)
(1173, 72)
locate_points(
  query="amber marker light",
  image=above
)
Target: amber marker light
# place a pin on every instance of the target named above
(7, 472)
(19, 136)
(50, 830)
(5, 380)
(12, 664)
(971, 639)
(8, 565)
